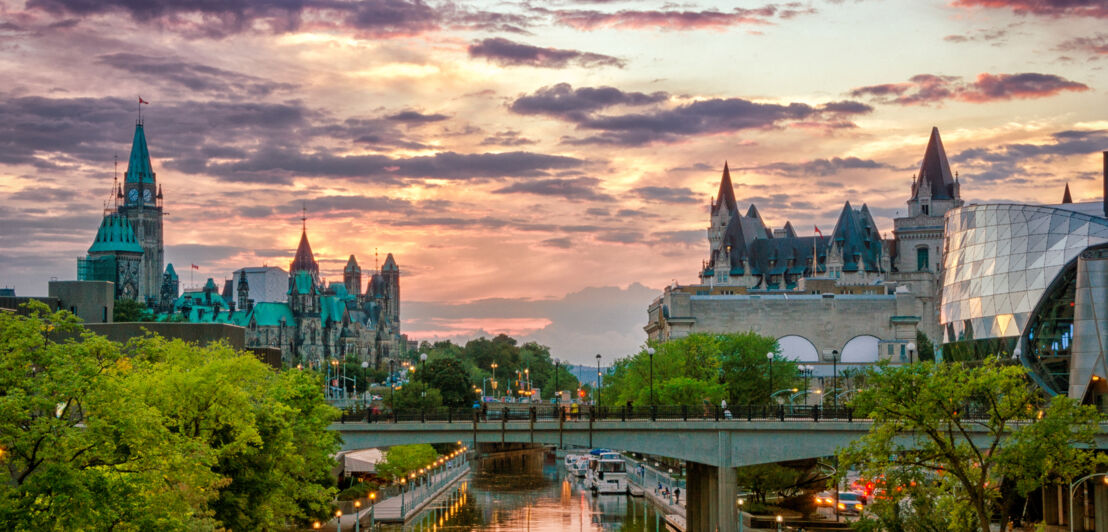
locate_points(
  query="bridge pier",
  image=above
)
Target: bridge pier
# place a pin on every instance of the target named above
(710, 499)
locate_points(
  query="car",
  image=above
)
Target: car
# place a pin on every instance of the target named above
(851, 503)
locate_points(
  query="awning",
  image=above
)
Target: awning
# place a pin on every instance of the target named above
(363, 461)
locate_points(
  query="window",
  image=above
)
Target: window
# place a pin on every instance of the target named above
(923, 261)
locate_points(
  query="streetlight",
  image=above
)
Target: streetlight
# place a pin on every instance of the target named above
(372, 500)
(598, 380)
(557, 391)
(338, 520)
(835, 369)
(422, 361)
(911, 352)
(780, 521)
(358, 516)
(770, 357)
(650, 352)
(494, 366)
(807, 370)
(1073, 487)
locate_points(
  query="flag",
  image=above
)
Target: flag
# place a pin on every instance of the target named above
(143, 101)
(195, 267)
(817, 230)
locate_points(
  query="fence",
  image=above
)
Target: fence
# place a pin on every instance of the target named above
(780, 413)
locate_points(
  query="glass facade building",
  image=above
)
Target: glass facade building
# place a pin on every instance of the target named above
(1009, 282)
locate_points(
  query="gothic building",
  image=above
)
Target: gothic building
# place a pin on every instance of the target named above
(849, 294)
(137, 219)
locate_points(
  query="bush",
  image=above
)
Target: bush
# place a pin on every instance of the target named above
(359, 490)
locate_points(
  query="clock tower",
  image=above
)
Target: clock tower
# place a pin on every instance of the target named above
(142, 206)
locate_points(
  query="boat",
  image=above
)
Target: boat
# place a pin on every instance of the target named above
(576, 464)
(607, 473)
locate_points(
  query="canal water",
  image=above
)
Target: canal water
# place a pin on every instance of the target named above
(540, 501)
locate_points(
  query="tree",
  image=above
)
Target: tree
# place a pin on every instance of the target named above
(154, 435)
(126, 310)
(953, 435)
(449, 377)
(403, 459)
(416, 395)
(925, 348)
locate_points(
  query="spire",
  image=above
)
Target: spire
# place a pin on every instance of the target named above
(304, 260)
(726, 195)
(352, 265)
(390, 264)
(935, 170)
(138, 167)
(1066, 198)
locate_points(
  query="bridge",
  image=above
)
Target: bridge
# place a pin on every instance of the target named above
(712, 444)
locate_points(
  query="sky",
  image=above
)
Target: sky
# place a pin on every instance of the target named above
(541, 169)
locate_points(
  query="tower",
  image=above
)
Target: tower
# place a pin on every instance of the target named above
(391, 274)
(352, 276)
(171, 288)
(935, 191)
(243, 292)
(142, 206)
(116, 256)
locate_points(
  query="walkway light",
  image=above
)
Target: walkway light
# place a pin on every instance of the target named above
(741, 503)
(780, 520)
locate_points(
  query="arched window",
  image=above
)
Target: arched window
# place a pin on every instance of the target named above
(860, 349)
(798, 349)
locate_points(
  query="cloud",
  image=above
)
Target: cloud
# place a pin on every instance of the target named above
(576, 189)
(193, 76)
(702, 117)
(996, 36)
(416, 117)
(558, 243)
(1093, 46)
(508, 137)
(925, 89)
(666, 194)
(565, 102)
(509, 53)
(1044, 8)
(819, 167)
(1008, 162)
(674, 20)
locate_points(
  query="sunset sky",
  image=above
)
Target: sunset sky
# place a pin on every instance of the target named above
(537, 168)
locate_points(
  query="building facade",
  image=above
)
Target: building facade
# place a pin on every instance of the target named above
(849, 295)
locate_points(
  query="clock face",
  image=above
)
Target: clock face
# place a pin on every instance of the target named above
(132, 195)
(147, 196)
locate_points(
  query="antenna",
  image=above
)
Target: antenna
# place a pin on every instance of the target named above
(113, 196)
(375, 267)
(304, 216)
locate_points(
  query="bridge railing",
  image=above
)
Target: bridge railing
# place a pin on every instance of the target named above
(588, 413)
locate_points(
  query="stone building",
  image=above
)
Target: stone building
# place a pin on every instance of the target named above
(850, 295)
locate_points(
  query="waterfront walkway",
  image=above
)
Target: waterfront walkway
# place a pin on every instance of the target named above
(401, 508)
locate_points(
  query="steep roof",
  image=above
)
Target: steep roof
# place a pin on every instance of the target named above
(726, 194)
(304, 260)
(1066, 198)
(302, 283)
(352, 265)
(268, 314)
(858, 239)
(935, 169)
(170, 271)
(390, 264)
(139, 169)
(115, 235)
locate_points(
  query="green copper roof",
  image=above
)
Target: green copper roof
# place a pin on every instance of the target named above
(302, 282)
(170, 271)
(269, 314)
(115, 235)
(390, 264)
(138, 168)
(331, 308)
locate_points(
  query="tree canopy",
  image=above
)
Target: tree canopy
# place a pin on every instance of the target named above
(155, 434)
(950, 440)
(477, 356)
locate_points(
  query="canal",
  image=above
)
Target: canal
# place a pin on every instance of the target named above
(539, 501)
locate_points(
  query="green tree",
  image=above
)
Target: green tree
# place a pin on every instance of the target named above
(415, 395)
(449, 377)
(925, 348)
(403, 459)
(953, 435)
(126, 310)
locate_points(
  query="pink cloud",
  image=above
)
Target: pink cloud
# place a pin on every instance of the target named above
(926, 89)
(1047, 8)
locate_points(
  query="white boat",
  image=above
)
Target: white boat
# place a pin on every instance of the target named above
(576, 464)
(607, 474)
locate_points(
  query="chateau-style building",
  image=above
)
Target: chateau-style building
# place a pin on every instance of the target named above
(850, 295)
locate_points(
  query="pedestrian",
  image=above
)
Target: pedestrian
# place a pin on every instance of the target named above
(677, 494)
(723, 404)
(659, 488)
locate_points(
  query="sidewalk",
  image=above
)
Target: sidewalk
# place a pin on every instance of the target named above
(388, 510)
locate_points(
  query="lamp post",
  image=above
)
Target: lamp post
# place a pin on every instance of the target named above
(338, 520)
(372, 507)
(1073, 486)
(358, 516)
(403, 482)
(598, 381)
(422, 361)
(835, 371)
(770, 357)
(650, 352)
(780, 521)
(741, 503)
(557, 391)
(911, 352)
(365, 391)
(807, 370)
(494, 366)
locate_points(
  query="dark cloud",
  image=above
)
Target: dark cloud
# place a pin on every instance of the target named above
(560, 243)
(565, 102)
(997, 36)
(1096, 45)
(509, 53)
(674, 20)
(42, 194)
(576, 189)
(345, 205)
(193, 76)
(1044, 8)
(691, 237)
(666, 194)
(199, 253)
(1007, 162)
(925, 89)
(819, 167)
(597, 211)
(704, 117)
(416, 117)
(620, 237)
(509, 137)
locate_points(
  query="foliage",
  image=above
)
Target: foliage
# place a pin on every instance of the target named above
(925, 348)
(416, 395)
(157, 435)
(403, 459)
(698, 367)
(448, 376)
(358, 490)
(477, 357)
(127, 310)
(763, 479)
(952, 435)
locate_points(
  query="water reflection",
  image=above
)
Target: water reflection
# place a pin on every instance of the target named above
(549, 501)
